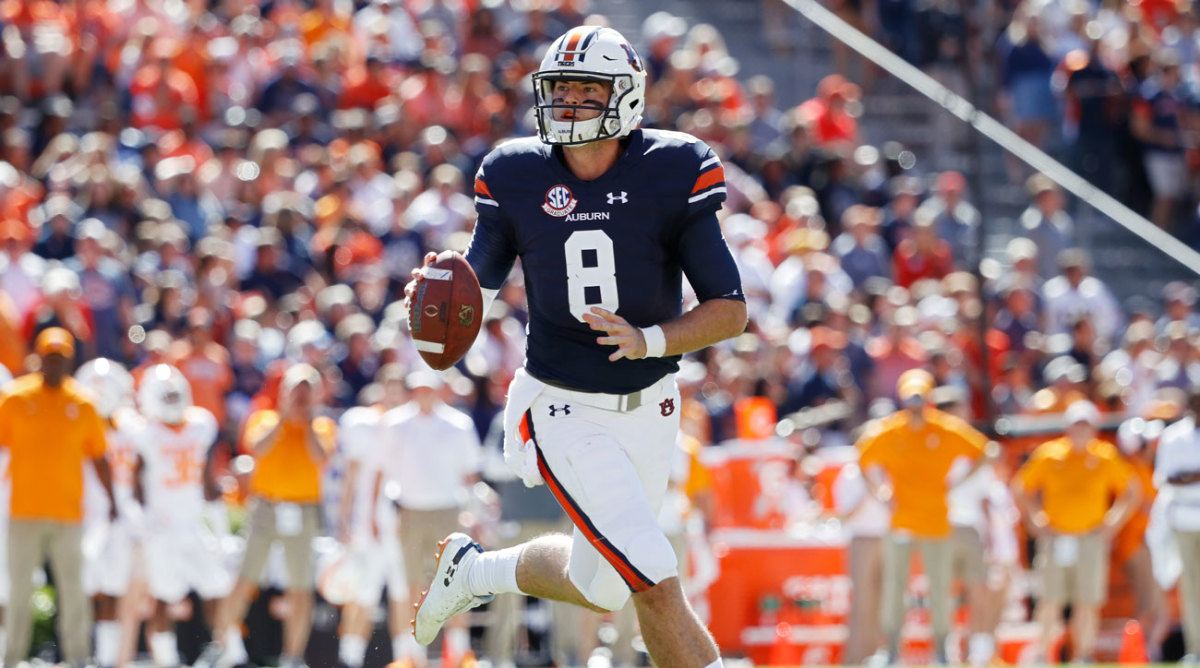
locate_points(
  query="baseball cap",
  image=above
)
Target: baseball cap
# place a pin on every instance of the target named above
(301, 373)
(1083, 411)
(55, 341)
(914, 383)
(1178, 291)
(423, 378)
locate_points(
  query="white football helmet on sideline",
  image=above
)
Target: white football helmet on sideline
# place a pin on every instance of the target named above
(165, 394)
(590, 53)
(109, 383)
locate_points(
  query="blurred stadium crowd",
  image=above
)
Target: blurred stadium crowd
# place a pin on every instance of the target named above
(236, 187)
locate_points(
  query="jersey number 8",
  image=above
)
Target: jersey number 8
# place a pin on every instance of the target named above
(591, 264)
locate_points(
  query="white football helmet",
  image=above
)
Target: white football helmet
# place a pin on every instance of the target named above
(165, 394)
(590, 53)
(109, 383)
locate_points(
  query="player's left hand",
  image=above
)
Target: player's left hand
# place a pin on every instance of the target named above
(618, 332)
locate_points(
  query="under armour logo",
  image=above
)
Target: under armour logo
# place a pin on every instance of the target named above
(565, 408)
(622, 198)
(667, 407)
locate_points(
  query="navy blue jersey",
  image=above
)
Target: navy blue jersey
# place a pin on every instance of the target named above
(622, 242)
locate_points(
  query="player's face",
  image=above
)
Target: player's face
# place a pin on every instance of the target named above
(589, 98)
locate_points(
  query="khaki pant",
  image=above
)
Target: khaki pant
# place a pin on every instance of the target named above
(29, 545)
(865, 556)
(269, 523)
(1083, 582)
(420, 532)
(1189, 588)
(967, 561)
(936, 555)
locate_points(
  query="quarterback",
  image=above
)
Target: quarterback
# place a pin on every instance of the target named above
(607, 219)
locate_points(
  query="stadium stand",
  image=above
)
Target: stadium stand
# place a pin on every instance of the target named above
(237, 187)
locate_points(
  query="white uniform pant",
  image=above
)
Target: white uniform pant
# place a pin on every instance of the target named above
(607, 459)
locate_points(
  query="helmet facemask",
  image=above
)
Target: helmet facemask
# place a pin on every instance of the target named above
(608, 125)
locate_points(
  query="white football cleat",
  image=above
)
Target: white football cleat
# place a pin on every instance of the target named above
(447, 595)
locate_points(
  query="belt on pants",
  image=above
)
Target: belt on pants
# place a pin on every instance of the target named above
(621, 403)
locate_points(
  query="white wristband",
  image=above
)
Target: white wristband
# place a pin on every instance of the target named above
(656, 341)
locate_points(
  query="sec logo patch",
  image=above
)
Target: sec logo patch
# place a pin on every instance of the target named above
(560, 201)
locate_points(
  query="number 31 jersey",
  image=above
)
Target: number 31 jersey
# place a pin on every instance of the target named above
(622, 242)
(173, 468)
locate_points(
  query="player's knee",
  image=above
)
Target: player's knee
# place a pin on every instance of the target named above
(652, 554)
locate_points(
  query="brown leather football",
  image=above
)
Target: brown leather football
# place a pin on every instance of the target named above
(447, 311)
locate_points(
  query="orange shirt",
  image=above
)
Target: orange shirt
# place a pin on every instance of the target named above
(208, 371)
(917, 460)
(287, 471)
(1076, 486)
(50, 435)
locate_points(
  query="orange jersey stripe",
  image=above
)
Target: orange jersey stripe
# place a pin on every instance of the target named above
(482, 189)
(709, 178)
(635, 580)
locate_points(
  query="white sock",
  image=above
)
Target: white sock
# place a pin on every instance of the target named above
(495, 572)
(406, 646)
(980, 649)
(108, 643)
(716, 664)
(235, 648)
(164, 649)
(458, 640)
(352, 650)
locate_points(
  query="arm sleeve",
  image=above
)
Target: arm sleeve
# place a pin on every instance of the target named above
(95, 442)
(5, 421)
(492, 252)
(708, 190)
(1030, 474)
(1120, 474)
(707, 261)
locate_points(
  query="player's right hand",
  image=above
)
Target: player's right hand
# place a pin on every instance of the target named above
(418, 275)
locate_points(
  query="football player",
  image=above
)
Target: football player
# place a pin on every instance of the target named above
(185, 519)
(369, 530)
(110, 548)
(607, 219)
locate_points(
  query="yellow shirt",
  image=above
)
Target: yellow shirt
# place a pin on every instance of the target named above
(287, 472)
(51, 433)
(1077, 487)
(917, 460)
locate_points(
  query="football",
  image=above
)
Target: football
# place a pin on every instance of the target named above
(446, 312)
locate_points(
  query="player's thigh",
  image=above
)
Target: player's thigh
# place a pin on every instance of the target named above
(649, 438)
(206, 570)
(117, 571)
(590, 472)
(165, 573)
